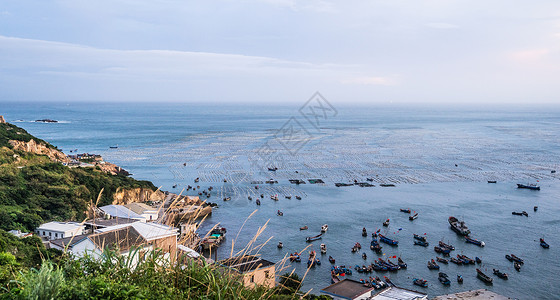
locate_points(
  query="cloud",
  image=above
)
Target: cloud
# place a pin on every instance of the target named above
(442, 25)
(370, 81)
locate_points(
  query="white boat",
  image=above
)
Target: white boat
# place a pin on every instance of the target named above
(323, 249)
(324, 228)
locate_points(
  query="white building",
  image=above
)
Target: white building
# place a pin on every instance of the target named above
(120, 211)
(146, 211)
(59, 230)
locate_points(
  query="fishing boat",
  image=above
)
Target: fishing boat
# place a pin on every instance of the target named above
(288, 197)
(458, 226)
(388, 241)
(535, 208)
(334, 278)
(324, 228)
(279, 213)
(388, 280)
(303, 228)
(413, 217)
(446, 246)
(313, 238)
(523, 213)
(323, 249)
(375, 246)
(227, 198)
(295, 257)
(544, 244)
(441, 250)
(432, 265)
(419, 237)
(474, 241)
(420, 282)
(500, 274)
(442, 260)
(466, 259)
(358, 246)
(483, 276)
(529, 186)
(491, 181)
(364, 256)
(516, 259)
(274, 197)
(444, 279)
(273, 169)
(332, 260)
(405, 210)
(478, 260)
(456, 261)
(298, 197)
(459, 278)
(517, 266)
(401, 263)
(386, 223)
(364, 232)
(421, 243)
(280, 245)
(249, 198)
(258, 202)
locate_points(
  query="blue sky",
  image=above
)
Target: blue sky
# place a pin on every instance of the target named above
(437, 51)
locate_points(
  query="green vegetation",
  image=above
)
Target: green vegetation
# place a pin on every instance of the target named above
(34, 189)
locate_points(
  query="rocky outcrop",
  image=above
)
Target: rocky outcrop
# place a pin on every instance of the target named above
(125, 196)
(111, 168)
(2, 119)
(39, 148)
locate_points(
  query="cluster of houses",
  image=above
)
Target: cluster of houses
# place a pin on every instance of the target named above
(133, 230)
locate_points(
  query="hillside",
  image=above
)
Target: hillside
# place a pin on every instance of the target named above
(35, 187)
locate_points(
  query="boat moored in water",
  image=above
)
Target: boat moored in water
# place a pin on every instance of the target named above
(419, 237)
(420, 282)
(442, 260)
(388, 241)
(413, 217)
(446, 246)
(386, 223)
(500, 274)
(421, 243)
(443, 278)
(303, 228)
(523, 213)
(529, 186)
(405, 210)
(313, 238)
(458, 226)
(544, 244)
(483, 276)
(474, 241)
(324, 228)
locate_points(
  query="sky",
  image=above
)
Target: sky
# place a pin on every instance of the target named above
(373, 51)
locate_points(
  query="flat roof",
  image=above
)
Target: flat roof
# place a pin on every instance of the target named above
(101, 222)
(397, 293)
(347, 288)
(120, 212)
(123, 239)
(246, 263)
(140, 208)
(60, 226)
(149, 231)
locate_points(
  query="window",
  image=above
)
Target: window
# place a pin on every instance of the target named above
(56, 235)
(252, 279)
(50, 234)
(266, 274)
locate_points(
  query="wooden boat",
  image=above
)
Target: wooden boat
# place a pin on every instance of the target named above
(456, 261)
(517, 266)
(523, 213)
(535, 208)
(528, 186)
(323, 249)
(280, 245)
(334, 278)
(401, 263)
(227, 198)
(446, 246)
(358, 246)
(544, 244)
(442, 260)
(420, 282)
(432, 265)
(405, 210)
(443, 278)
(258, 202)
(364, 232)
(474, 241)
(458, 226)
(413, 217)
(249, 198)
(419, 237)
(441, 250)
(298, 197)
(516, 259)
(491, 181)
(500, 274)
(388, 280)
(421, 243)
(375, 246)
(313, 238)
(483, 276)
(386, 185)
(386, 223)
(288, 197)
(303, 228)
(466, 259)
(279, 213)
(324, 228)
(364, 255)
(273, 169)
(388, 241)
(274, 197)
(332, 260)
(459, 278)
(478, 260)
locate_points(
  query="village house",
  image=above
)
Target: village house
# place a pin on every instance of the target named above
(349, 289)
(144, 210)
(253, 270)
(58, 230)
(119, 211)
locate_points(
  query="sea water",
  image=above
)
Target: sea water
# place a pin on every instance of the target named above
(439, 159)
